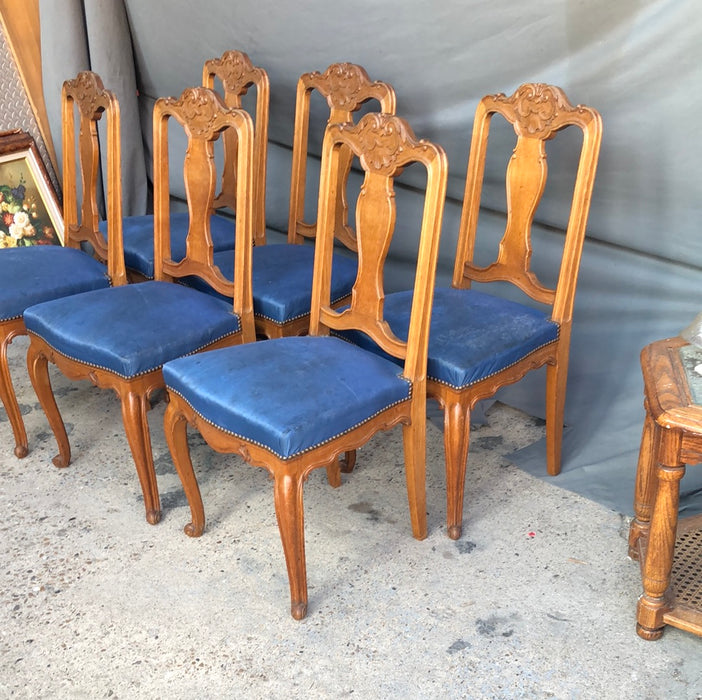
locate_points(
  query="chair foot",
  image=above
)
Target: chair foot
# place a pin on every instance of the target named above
(153, 516)
(648, 634)
(192, 530)
(298, 610)
(60, 461)
(455, 531)
(21, 451)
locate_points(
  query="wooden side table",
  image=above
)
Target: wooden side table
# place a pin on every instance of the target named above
(669, 553)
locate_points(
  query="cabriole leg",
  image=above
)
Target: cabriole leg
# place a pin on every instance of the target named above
(290, 514)
(38, 368)
(9, 401)
(176, 429)
(135, 406)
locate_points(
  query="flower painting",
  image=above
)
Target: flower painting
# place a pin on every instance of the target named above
(29, 213)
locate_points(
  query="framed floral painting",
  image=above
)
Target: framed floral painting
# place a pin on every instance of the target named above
(29, 209)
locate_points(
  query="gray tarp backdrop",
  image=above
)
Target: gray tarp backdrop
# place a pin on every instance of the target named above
(639, 62)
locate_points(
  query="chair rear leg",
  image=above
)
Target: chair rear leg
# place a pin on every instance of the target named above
(38, 368)
(414, 440)
(334, 474)
(348, 462)
(556, 376)
(342, 464)
(456, 442)
(9, 401)
(135, 406)
(290, 513)
(175, 426)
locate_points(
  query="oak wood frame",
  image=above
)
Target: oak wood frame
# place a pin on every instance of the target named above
(87, 95)
(385, 144)
(204, 116)
(537, 111)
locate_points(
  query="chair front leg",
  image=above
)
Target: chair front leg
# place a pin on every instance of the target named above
(290, 514)
(9, 400)
(38, 368)
(456, 442)
(175, 426)
(135, 406)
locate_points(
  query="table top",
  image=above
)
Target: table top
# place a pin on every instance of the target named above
(670, 395)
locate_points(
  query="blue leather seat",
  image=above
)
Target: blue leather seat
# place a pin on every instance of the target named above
(30, 275)
(472, 336)
(282, 280)
(320, 389)
(132, 329)
(38, 273)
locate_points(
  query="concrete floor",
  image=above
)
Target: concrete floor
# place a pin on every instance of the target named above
(536, 600)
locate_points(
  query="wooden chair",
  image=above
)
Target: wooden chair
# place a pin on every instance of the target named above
(293, 404)
(282, 274)
(39, 273)
(237, 74)
(480, 342)
(120, 337)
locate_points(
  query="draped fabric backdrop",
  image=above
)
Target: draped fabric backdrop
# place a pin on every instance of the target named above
(639, 62)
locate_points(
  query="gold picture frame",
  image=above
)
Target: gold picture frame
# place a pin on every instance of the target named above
(30, 213)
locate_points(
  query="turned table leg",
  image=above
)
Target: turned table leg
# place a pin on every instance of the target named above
(645, 488)
(653, 604)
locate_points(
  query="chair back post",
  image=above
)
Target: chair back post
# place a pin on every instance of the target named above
(87, 95)
(345, 87)
(465, 245)
(590, 121)
(237, 74)
(204, 116)
(385, 145)
(537, 112)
